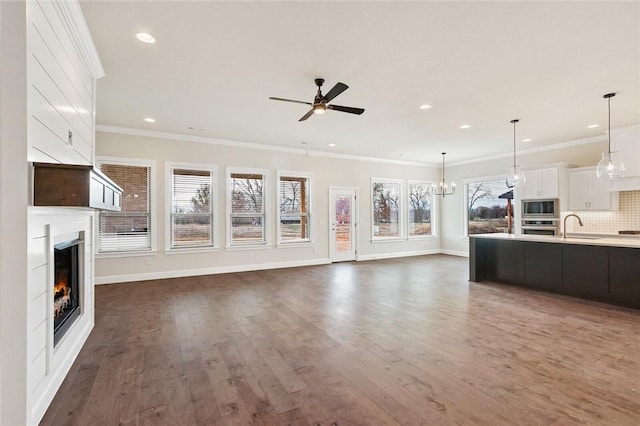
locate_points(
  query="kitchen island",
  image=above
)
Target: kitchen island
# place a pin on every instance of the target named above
(602, 269)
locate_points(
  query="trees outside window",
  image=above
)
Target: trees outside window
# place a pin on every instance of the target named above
(294, 223)
(386, 209)
(420, 202)
(247, 210)
(487, 206)
(191, 211)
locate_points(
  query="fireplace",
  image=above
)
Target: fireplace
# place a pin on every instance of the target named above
(66, 286)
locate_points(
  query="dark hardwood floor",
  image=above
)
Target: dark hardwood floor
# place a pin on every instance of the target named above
(403, 341)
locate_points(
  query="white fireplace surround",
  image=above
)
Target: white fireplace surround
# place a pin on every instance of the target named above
(47, 365)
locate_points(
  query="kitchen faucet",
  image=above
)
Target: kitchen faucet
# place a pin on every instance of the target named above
(564, 227)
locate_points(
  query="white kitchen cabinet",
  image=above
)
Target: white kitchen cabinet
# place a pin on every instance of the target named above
(626, 141)
(541, 183)
(62, 69)
(587, 192)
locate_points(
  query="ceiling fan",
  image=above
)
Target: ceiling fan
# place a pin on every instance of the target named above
(321, 102)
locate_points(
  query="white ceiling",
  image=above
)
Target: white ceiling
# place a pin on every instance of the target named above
(482, 63)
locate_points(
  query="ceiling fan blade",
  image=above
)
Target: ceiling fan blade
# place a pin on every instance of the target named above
(290, 100)
(335, 91)
(350, 110)
(307, 115)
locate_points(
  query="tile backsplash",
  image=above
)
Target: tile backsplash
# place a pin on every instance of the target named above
(626, 218)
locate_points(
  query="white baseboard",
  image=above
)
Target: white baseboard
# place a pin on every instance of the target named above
(455, 253)
(110, 279)
(397, 254)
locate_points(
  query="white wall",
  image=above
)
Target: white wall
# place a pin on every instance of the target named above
(327, 171)
(452, 211)
(14, 190)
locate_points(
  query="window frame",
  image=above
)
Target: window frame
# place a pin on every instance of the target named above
(311, 237)
(170, 166)
(465, 198)
(401, 213)
(152, 192)
(432, 233)
(266, 205)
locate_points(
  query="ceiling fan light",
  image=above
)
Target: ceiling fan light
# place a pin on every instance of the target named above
(610, 166)
(319, 108)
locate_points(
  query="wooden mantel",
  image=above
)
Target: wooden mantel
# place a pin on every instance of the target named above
(71, 185)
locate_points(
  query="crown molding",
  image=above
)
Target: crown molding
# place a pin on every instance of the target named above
(543, 148)
(73, 18)
(250, 145)
(317, 153)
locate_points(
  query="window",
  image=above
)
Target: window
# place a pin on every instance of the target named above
(131, 228)
(294, 195)
(192, 206)
(420, 202)
(246, 207)
(387, 220)
(487, 202)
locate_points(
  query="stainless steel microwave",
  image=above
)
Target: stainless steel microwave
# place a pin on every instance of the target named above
(540, 208)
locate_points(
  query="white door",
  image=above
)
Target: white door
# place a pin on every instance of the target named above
(342, 224)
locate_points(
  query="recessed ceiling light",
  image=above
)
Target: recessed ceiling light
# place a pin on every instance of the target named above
(146, 38)
(332, 144)
(465, 126)
(592, 126)
(425, 106)
(150, 120)
(526, 140)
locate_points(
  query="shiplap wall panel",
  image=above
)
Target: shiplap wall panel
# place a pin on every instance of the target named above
(70, 58)
(38, 282)
(45, 44)
(37, 341)
(41, 52)
(45, 144)
(60, 93)
(37, 371)
(61, 71)
(38, 311)
(48, 366)
(52, 108)
(37, 253)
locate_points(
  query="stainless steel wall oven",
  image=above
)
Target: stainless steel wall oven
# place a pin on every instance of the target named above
(541, 217)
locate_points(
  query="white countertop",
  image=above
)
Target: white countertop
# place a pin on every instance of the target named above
(584, 239)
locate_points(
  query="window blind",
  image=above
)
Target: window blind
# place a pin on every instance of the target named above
(129, 229)
(294, 208)
(247, 208)
(191, 213)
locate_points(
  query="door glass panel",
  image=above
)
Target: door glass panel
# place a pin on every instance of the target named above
(343, 223)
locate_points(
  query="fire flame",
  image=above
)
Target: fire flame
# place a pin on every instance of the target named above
(61, 297)
(60, 289)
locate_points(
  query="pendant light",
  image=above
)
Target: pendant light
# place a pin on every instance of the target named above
(443, 189)
(516, 176)
(610, 166)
